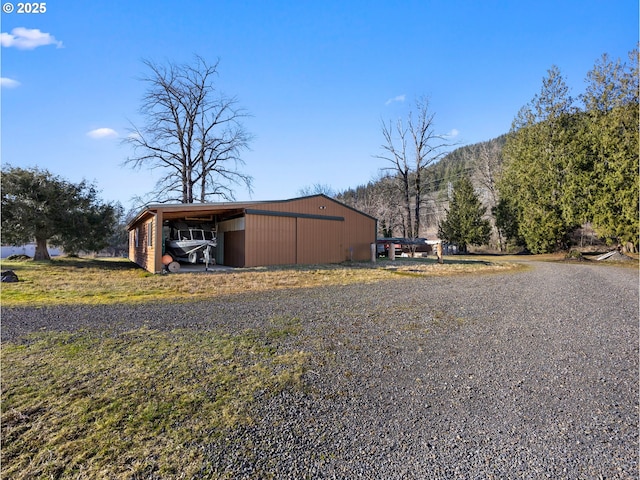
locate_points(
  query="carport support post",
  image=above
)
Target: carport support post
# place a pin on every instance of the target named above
(158, 222)
(374, 249)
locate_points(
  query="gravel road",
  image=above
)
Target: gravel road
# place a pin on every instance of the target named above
(520, 375)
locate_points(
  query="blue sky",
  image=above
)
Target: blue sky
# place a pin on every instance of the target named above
(318, 77)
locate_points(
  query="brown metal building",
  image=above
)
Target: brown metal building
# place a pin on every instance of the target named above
(307, 230)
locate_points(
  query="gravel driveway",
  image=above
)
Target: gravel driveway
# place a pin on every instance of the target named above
(520, 375)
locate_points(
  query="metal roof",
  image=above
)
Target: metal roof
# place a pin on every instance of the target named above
(216, 208)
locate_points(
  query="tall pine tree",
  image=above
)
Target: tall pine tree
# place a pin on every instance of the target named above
(565, 167)
(539, 164)
(465, 223)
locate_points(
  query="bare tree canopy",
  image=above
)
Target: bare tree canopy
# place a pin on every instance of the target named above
(193, 134)
(317, 189)
(411, 147)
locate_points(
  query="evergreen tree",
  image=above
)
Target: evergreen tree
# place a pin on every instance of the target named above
(464, 224)
(539, 164)
(565, 167)
(611, 132)
(36, 205)
(506, 219)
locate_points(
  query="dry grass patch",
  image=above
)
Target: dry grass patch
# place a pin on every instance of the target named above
(459, 266)
(108, 281)
(143, 404)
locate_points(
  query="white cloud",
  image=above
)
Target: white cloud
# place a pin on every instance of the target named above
(398, 98)
(8, 82)
(100, 133)
(453, 133)
(28, 39)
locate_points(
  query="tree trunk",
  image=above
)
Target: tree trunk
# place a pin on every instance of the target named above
(418, 196)
(41, 252)
(185, 193)
(407, 206)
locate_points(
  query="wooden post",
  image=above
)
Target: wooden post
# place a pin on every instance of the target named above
(439, 252)
(392, 251)
(373, 252)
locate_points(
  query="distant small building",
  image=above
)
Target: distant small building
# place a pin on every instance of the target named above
(307, 230)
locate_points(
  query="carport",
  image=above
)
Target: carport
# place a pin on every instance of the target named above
(307, 230)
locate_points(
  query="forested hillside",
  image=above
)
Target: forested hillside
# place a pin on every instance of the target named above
(380, 198)
(568, 165)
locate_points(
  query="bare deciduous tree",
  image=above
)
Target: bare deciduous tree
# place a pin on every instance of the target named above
(381, 199)
(410, 148)
(317, 189)
(487, 171)
(193, 134)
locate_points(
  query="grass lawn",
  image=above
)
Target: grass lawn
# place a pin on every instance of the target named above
(147, 403)
(67, 281)
(143, 404)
